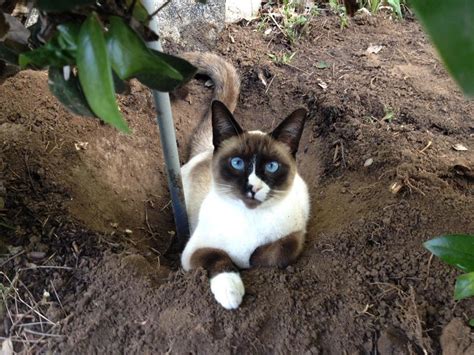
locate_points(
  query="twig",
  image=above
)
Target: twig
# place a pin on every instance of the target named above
(411, 186)
(157, 10)
(146, 221)
(270, 83)
(57, 297)
(299, 69)
(277, 24)
(427, 146)
(336, 151)
(12, 257)
(343, 156)
(165, 206)
(46, 267)
(25, 157)
(428, 271)
(26, 330)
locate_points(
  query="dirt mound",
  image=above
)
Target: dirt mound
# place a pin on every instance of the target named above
(377, 155)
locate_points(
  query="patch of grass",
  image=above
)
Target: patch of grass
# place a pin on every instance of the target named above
(339, 10)
(389, 114)
(291, 20)
(373, 6)
(281, 59)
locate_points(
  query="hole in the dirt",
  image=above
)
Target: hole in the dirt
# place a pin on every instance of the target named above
(324, 116)
(405, 117)
(446, 131)
(373, 106)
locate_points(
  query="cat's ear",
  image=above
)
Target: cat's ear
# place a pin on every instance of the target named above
(290, 130)
(224, 125)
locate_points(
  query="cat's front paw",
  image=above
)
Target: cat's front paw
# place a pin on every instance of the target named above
(228, 289)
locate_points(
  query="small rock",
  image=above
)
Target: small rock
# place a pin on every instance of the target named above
(455, 338)
(460, 147)
(374, 48)
(37, 255)
(393, 341)
(396, 187)
(368, 162)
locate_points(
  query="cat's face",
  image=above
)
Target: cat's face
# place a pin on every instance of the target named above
(253, 166)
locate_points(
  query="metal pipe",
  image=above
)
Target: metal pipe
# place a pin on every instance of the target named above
(170, 149)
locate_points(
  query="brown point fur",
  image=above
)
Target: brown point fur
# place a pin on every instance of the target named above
(280, 253)
(214, 261)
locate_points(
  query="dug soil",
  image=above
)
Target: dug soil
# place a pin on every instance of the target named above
(85, 217)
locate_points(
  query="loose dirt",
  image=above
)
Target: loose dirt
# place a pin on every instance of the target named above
(87, 218)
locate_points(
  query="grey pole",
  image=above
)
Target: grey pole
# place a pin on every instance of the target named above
(169, 145)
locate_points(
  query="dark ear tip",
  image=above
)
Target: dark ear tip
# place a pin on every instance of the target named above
(216, 104)
(301, 112)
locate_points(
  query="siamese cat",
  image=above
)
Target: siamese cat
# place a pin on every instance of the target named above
(247, 205)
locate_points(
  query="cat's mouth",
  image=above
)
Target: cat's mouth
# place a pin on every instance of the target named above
(251, 202)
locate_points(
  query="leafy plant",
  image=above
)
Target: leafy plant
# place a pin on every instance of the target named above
(282, 59)
(449, 24)
(457, 250)
(289, 18)
(91, 49)
(389, 114)
(374, 6)
(340, 11)
(293, 22)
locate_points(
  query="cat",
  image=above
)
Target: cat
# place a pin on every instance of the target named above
(247, 204)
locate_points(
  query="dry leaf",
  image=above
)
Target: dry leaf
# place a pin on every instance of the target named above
(374, 48)
(322, 84)
(261, 77)
(7, 347)
(81, 145)
(368, 162)
(395, 187)
(459, 147)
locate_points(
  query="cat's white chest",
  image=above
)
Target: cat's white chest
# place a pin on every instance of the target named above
(228, 225)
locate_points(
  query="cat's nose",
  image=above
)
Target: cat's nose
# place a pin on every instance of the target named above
(253, 188)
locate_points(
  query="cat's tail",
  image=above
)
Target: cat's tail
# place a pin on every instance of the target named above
(226, 89)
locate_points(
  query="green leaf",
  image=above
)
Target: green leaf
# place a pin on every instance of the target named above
(59, 51)
(62, 5)
(471, 322)
(464, 287)
(95, 73)
(139, 11)
(121, 87)
(132, 58)
(457, 250)
(321, 65)
(68, 36)
(49, 54)
(186, 69)
(68, 92)
(395, 5)
(451, 28)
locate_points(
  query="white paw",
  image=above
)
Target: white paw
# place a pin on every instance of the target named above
(228, 289)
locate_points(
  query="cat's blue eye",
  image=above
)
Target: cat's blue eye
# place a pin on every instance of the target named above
(237, 163)
(272, 167)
